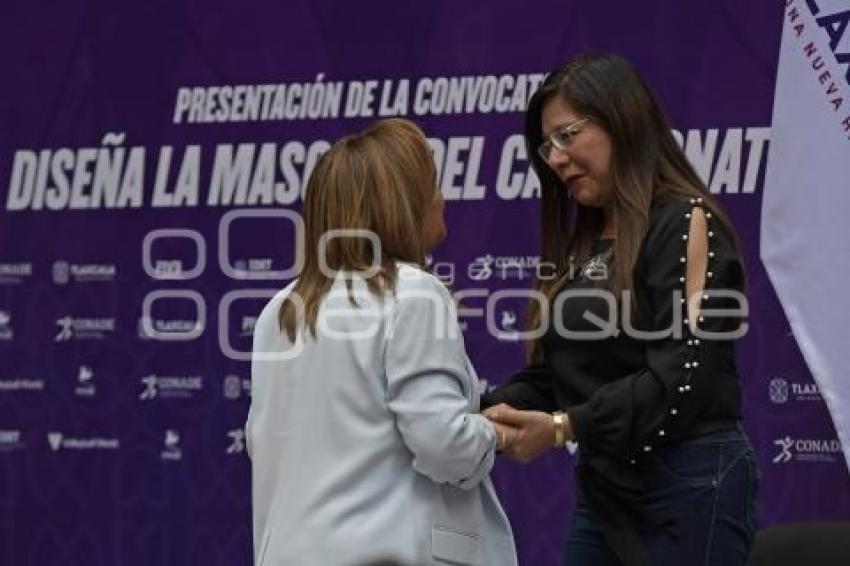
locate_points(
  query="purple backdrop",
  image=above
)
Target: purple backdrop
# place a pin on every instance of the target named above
(121, 449)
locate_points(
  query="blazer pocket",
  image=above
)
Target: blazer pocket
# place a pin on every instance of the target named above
(453, 546)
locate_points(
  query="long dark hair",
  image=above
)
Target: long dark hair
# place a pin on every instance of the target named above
(647, 166)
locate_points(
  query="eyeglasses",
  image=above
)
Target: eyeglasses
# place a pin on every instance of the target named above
(561, 139)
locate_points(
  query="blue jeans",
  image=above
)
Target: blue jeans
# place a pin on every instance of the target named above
(709, 485)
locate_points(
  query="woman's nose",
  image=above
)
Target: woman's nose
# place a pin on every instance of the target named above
(558, 157)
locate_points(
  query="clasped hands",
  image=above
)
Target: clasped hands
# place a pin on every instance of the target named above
(523, 435)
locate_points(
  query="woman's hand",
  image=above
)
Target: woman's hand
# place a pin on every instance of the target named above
(506, 436)
(533, 431)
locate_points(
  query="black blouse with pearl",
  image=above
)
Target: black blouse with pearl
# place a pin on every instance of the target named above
(627, 392)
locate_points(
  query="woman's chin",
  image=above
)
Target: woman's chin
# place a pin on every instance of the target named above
(584, 199)
(588, 198)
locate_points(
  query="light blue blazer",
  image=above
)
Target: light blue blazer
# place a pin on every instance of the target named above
(366, 443)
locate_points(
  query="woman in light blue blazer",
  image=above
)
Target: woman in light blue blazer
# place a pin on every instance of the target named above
(364, 434)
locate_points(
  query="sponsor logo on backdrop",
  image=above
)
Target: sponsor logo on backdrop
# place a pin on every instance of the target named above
(85, 382)
(11, 385)
(507, 324)
(485, 267)
(183, 327)
(237, 441)
(778, 391)
(785, 445)
(71, 328)
(55, 440)
(10, 440)
(170, 387)
(13, 273)
(173, 268)
(254, 264)
(781, 391)
(64, 272)
(235, 387)
(248, 324)
(165, 268)
(176, 327)
(171, 446)
(61, 272)
(789, 449)
(59, 441)
(6, 332)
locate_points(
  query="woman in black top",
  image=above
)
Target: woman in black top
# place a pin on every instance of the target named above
(635, 358)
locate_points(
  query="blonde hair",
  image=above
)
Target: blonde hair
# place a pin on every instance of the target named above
(380, 180)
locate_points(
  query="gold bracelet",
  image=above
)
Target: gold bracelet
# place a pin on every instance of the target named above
(560, 419)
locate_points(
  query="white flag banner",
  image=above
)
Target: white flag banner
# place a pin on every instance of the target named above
(805, 217)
